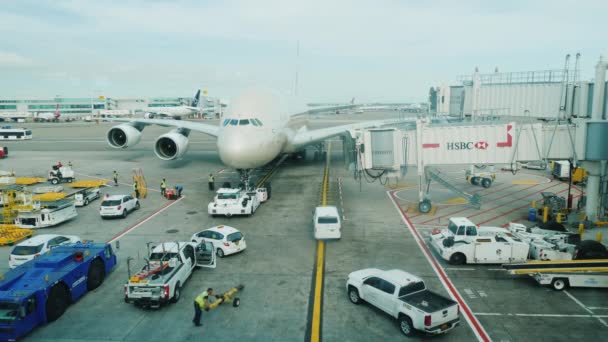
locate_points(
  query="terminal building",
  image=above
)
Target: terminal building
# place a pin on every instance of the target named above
(79, 108)
(551, 94)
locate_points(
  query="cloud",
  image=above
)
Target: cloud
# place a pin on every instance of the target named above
(11, 59)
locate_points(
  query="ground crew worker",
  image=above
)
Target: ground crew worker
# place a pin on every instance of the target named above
(201, 302)
(163, 188)
(211, 182)
(136, 189)
(115, 176)
(178, 190)
(70, 164)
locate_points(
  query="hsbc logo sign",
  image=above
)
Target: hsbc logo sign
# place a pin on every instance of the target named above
(467, 145)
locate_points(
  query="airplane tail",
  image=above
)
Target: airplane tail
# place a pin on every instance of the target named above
(57, 114)
(197, 98)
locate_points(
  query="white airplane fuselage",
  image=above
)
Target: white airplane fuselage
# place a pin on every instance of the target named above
(247, 146)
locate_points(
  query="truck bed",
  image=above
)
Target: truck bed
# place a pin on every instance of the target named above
(427, 301)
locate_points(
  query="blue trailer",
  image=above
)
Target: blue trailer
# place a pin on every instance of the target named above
(40, 291)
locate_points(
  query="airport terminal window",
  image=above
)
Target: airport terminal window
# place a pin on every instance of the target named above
(234, 122)
(244, 122)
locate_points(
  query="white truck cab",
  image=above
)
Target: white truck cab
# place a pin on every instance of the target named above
(326, 222)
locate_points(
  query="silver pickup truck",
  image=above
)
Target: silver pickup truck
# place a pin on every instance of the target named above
(404, 297)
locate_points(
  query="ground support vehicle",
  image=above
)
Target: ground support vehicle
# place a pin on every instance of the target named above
(40, 291)
(118, 206)
(3, 152)
(560, 281)
(404, 297)
(561, 171)
(230, 202)
(46, 214)
(168, 266)
(225, 239)
(326, 223)
(83, 197)
(484, 179)
(61, 174)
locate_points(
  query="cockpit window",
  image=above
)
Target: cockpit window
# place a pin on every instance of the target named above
(259, 122)
(254, 122)
(234, 122)
(244, 122)
(226, 122)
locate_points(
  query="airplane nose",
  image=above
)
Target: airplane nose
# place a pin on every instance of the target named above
(238, 152)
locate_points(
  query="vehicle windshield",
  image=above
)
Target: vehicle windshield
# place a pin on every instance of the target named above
(27, 250)
(9, 311)
(162, 256)
(227, 196)
(327, 220)
(235, 237)
(110, 203)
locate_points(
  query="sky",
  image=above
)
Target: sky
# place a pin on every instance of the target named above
(384, 51)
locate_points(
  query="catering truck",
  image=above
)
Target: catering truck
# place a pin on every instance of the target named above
(167, 268)
(404, 297)
(39, 291)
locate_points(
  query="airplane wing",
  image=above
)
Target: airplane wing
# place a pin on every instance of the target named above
(305, 137)
(189, 125)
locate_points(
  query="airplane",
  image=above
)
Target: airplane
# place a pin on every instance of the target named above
(48, 116)
(258, 127)
(178, 111)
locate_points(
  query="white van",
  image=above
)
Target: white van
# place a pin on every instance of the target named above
(327, 223)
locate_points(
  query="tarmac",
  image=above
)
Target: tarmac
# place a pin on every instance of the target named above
(381, 229)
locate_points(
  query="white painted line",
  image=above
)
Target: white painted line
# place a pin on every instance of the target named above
(496, 269)
(459, 269)
(584, 307)
(597, 308)
(538, 315)
(482, 294)
(137, 225)
(475, 325)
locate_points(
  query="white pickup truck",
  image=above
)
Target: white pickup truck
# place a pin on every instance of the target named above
(167, 268)
(230, 202)
(404, 297)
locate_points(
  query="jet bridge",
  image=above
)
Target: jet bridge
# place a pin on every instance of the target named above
(389, 151)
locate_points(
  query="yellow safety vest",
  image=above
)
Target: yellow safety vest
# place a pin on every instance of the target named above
(210, 179)
(163, 185)
(115, 174)
(201, 300)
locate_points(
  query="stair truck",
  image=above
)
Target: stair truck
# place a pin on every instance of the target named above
(39, 292)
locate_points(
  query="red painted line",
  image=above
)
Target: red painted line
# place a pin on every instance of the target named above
(477, 328)
(430, 145)
(494, 199)
(512, 210)
(146, 219)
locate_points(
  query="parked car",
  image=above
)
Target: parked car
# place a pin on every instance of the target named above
(226, 240)
(118, 206)
(37, 245)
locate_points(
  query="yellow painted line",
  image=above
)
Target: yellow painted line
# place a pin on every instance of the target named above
(560, 270)
(315, 334)
(457, 200)
(92, 184)
(28, 180)
(49, 196)
(525, 182)
(316, 311)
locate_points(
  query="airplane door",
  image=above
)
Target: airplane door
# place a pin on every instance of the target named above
(205, 255)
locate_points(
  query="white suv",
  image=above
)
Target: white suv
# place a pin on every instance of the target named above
(37, 245)
(118, 206)
(225, 239)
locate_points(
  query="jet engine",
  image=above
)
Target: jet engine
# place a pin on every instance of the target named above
(123, 136)
(171, 146)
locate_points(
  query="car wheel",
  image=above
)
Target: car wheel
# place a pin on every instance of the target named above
(124, 213)
(406, 326)
(54, 181)
(559, 284)
(353, 295)
(177, 293)
(220, 253)
(137, 206)
(86, 202)
(236, 302)
(486, 183)
(458, 259)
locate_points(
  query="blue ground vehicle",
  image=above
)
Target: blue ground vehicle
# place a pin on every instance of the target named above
(40, 291)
